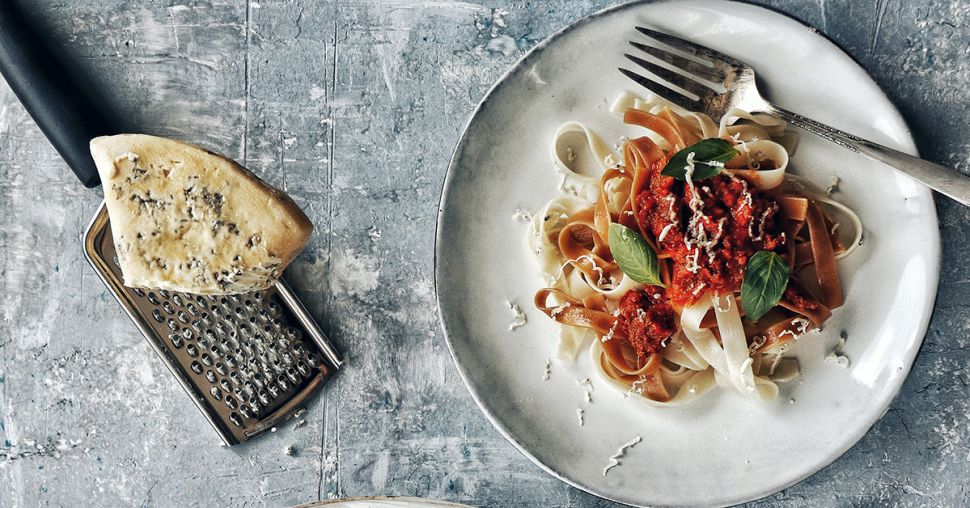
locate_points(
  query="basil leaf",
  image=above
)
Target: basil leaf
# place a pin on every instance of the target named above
(635, 257)
(765, 280)
(709, 157)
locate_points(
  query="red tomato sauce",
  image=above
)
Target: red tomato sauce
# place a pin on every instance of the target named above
(736, 220)
(796, 297)
(645, 319)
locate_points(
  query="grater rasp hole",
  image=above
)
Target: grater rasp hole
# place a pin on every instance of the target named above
(243, 345)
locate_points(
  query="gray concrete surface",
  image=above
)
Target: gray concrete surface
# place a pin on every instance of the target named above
(354, 107)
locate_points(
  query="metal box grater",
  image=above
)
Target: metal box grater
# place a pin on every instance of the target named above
(248, 361)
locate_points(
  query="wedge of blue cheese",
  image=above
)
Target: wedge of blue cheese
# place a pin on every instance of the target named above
(186, 219)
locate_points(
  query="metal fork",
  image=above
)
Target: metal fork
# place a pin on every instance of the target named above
(715, 83)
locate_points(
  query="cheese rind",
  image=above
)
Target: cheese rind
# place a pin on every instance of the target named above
(186, 219)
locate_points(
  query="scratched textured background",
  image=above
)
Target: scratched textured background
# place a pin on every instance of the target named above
(353, 107)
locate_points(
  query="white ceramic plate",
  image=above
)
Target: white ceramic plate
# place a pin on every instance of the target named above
(726, 448)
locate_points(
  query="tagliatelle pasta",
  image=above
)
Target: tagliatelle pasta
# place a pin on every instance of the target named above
(682, 329)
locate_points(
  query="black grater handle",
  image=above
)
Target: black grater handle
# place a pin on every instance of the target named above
(55, 94)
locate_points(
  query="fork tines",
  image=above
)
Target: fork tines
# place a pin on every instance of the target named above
(695, 76)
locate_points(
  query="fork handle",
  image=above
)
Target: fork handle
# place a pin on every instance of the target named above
(946, 181)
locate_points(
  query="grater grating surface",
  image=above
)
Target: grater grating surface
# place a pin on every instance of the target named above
(248, 361)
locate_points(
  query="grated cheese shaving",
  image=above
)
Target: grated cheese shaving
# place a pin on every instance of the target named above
(697, 236)
(663, 233)
(641, 314)
(756, 342)
(697, 290)
(635, 387)
(609, 334)
(838, 356)
(522, 215)
(671, 212)
(692, 265)
(600, 273)
(727, 299)
(834, 186)
(558, 310)
(761, 224)
(565, 187)
(615, 458)
(519, 318)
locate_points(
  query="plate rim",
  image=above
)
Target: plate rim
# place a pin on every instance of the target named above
(909, 146)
